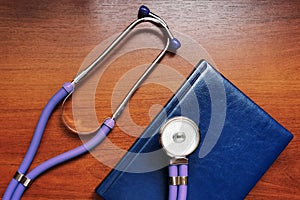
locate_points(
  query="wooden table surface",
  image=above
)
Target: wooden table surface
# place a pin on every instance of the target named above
(255, 44)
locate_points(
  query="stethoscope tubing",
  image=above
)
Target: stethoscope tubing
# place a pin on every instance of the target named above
(101, 134)
(173, 189)
(36, 139)
(16, 189)
(183, 172)
(178, 192)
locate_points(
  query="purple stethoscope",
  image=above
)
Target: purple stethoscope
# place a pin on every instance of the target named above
(23, 179)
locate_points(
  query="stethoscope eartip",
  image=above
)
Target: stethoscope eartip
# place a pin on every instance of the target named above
(143, 11)
(174, 44)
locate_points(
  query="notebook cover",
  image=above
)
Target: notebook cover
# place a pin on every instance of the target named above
(239, 142)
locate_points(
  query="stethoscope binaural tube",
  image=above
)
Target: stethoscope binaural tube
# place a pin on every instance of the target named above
(22, 179)
(172, 44)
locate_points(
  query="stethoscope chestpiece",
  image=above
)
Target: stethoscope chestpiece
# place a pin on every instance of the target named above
(179, 137)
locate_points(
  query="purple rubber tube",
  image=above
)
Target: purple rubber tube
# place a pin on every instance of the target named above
(10, 189)
(39, 130)
(182, 193)
(36, 139)
(106, 127)
(173, 172)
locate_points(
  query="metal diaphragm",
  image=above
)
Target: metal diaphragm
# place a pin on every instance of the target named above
(179, 136)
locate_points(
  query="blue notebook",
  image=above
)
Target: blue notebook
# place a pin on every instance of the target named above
(239, 142)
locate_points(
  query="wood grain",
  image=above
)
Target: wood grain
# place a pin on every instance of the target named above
(255, 44)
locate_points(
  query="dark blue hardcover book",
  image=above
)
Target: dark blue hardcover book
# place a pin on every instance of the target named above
(239, 142)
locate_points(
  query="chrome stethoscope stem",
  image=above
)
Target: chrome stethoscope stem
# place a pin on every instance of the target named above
(138, 83)
(155, 20)
(171, 44)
